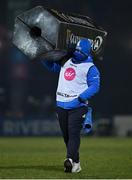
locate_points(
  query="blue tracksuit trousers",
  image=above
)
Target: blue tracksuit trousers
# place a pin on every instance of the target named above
(71, 124)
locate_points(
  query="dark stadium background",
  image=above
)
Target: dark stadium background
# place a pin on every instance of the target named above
(28, 90)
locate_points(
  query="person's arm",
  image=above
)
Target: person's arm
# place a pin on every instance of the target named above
(51, 66)
(93, 80)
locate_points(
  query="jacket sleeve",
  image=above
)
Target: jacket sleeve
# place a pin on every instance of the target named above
(51, 66)
(93, 80)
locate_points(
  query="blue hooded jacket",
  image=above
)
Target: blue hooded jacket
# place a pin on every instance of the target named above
(80, 55)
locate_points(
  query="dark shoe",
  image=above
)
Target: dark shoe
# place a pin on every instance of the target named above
(68, 164)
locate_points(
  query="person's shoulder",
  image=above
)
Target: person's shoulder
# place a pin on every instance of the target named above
(65, 61)
(94, 69)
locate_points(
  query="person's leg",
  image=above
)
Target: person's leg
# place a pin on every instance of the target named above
(63, 121)
(75, 121)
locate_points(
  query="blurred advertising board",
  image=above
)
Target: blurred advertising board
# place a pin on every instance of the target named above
(29, 127)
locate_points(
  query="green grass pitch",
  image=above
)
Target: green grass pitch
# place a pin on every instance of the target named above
(43, 158)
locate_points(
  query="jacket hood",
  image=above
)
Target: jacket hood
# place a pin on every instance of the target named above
(82, 50)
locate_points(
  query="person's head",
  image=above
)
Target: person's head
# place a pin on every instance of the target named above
(82, 50)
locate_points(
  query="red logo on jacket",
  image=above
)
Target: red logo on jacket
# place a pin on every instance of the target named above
(69, 74)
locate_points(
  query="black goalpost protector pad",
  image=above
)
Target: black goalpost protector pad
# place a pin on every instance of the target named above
(54, 34)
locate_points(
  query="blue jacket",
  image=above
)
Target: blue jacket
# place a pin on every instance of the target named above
(93, 80)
